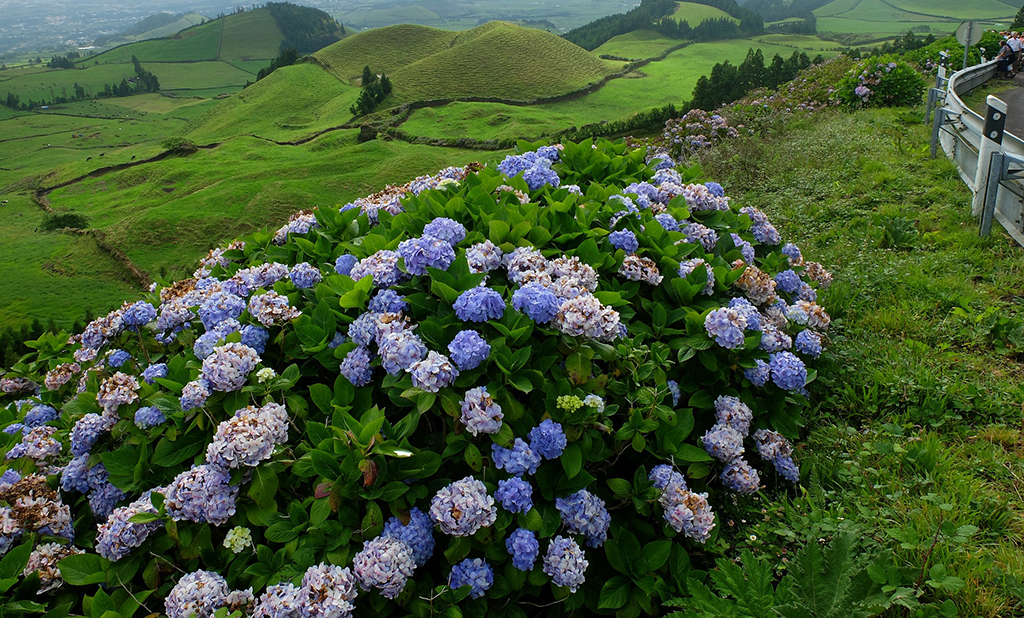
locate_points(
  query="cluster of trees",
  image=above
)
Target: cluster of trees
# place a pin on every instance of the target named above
(375, 90)
(654, 14)
(1018, 21)
(729, 82)
(286, 58)
(64, 62)
(642, 122)
(305, 29)
(778, 10)
(144, 81)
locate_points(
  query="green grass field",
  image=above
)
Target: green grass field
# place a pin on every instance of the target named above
(884, 17)
(249, 36)
(60, 82)
(197, 75)
(553, 66)
(198, 43)
(372, 17)
(636, 45)
(385, 50)
(694, 13)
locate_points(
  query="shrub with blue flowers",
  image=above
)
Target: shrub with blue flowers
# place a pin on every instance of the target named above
(487, 391)
(882, 81)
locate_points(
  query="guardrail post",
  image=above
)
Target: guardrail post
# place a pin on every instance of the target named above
(940, 116)
(995, 175)
(934, 95)
(991, 141)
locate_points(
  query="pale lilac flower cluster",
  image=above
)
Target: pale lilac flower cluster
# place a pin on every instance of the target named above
(228, 367)
(433, 373)
(731, 411)
(584, 513)
(400, 350)
(808, 342)
(248, 437)
(271, 309)
(565, 563)
(479, 304)
(773, 447)
(60, 375)
(475, 573)
(788, 371)
(149, 417)
(702, 198)
(116, 537)
(637, 268)
(537, 301)
(43, 560)
(385, 563)
(515, 495)
(463, 507)
(468, 349)
(203, 494)
(739, 476)
(586, 316)
(524, 548)
(746, 249)
(480, 413)
(154, 372)
(418, 534)
(702, 235)
(483, 257)
(356, 367)
(194, 394)
(525, 261)
(760, 227)
(685, 511)
(448, 230)
(38, 444)
(304, 275)
(726, 327)
(426, 252)
(723, 443)
(625, 240)
(299, 223)
(519, 460)
(547, 439)
(758, 375)
(387, 301)
(117, 390)
(327, 592)
(696, 130)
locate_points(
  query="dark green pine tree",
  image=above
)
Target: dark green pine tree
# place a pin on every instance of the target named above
(1018, 21)
(368, 76)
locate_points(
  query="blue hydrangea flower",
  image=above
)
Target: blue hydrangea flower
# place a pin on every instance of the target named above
(667, 221)
(197, 594)
(195, 394)
(116, 358)
(723, 443)
(788, 281)
(786, 467)
(740, 477)
(468, 349)
(382, 266)
(673, 389)
(483, 257)
(220, 306)
(773, 446)
(515, 495)
(337, 340)
(788, 371)
(758, 375)
(426, 252)
(512, 165)
(138, 314)
(118, 536)
(700, 235)
(203, 494)
(228, 368)
(793, 253)
(40, 415)
(748, 311)
(418, 534)
(715, 189)
(774, 340)
(480, 413)
(150, 416)
(538, 176)
(584, 513)
(551, 153)
(103, 498)
(206, 342)
(625, 240)
(524, 548)
(538, 302)
(746, 249)
(75, 475)
(475, 573)
(463, 507)
(547, 439)
(519, 460)
(304, 275)
(363, 330)
(151, 373)
(663, 476)
(255, 337)
(479, 304)
(343, 265)
(687, 512)
(385, 563)
(356, 367)
(398, 351)
(87, 431)
(726, 327)
(387, 301)
(448, 230)
(731, 411)
(433, 373)
(328, 591)
(565, 563)
(807, 342)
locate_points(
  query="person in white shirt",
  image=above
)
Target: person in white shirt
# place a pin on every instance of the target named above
(1015, 42)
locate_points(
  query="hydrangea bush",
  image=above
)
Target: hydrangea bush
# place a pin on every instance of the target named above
(486, 391)
(881, 81)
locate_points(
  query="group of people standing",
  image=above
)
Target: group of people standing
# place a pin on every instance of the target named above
(1010, 57)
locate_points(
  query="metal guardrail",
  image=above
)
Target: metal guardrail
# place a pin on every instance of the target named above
(990, 161)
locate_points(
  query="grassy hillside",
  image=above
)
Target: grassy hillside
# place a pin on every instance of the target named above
(52, 83)
(531, 63)
(887, 17)
(153, 27)
(694, 13)
(384, 50)
(636, 45)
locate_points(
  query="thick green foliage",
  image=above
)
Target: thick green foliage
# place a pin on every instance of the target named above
(882, 81)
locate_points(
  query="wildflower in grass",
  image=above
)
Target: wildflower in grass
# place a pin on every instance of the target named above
(479, 304)
(195, 394)
(304, 275)
(418, 534)
(343, 265)
(327, 591)
(426, 252)
(586, 514)
(356, 367)
(197, 594)
(726, 327)
(203, 494)
(271, 309)
(153, 372)
(238, 539)
(809, 342)
(731, 411)
(538, 302)
(625, 240)
(788, 371)
(515, 495)
(547, 439)
(475, 573)
(723, 443)
(519, 460)
(228, 368)
(385, 563)
(248, 437)
(148, 417)
(758, 375)
(480, 413)
(565, 563)
(689, 266)
(448, 230)
(117, 390)
(463, 507)
(483, 257)
(468, 349)
(524, 548)
(433, 373)
(740, 477)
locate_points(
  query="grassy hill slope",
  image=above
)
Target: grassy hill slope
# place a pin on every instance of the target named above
(384, 50)
(694, 13)
(531, 63)
(153, 27)
(885, 17)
